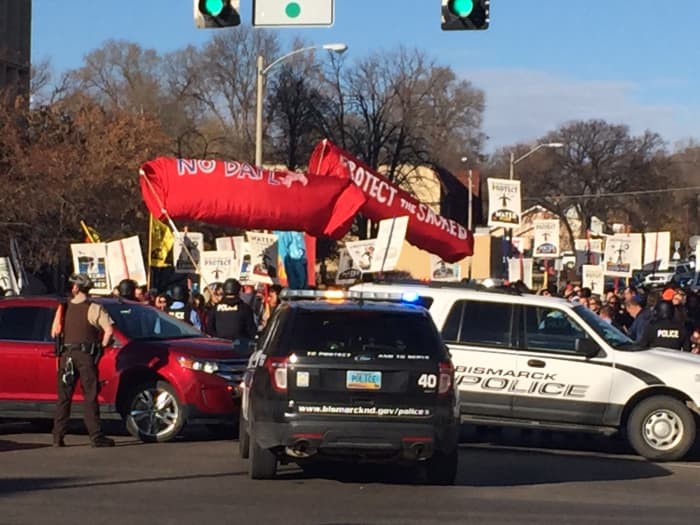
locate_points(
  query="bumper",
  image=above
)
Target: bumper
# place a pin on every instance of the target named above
(370, 441)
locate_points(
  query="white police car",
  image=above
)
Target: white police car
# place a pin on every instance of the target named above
(542, 362)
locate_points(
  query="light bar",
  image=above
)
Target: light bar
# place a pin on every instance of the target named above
(405, 297)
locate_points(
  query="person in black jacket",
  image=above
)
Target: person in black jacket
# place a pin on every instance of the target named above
(232, 318)
(665, 331)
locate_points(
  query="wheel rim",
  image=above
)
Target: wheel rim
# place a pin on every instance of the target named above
(155, 412)
(662, 429)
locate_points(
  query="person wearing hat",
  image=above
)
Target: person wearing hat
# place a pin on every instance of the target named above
(232, 318)
(83, 329)
(665, 331)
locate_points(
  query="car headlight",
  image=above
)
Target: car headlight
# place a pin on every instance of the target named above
(210, 367)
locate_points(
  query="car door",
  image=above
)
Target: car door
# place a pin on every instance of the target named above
(557, 383)
(479, 335)
(27, 351)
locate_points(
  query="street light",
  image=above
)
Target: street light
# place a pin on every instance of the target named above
(262, 71)
(514, 161)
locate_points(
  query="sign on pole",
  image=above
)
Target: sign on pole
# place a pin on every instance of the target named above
(125, 261)
(592, 277)
(390, 239)
(91, 259)
(194, 242)
(293, 13)
(546, 243)
(657, 249)
(504, 203)
(623, 253)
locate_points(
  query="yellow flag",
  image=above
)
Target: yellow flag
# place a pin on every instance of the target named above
(91, 234)
(161, 242)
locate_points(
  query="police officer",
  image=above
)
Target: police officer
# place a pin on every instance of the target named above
(180, 308)
(77, 325)
(127, 289)
(232, 318)
(665, 331)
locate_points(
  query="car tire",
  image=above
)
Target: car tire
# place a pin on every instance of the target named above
(442, 467)
(243, 439)
(263, 462)
(154, 413)
(661, 428)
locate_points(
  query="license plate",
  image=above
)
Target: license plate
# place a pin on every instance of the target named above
(361, 380)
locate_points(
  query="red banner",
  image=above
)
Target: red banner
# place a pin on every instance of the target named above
(236, 194)
(426, 229)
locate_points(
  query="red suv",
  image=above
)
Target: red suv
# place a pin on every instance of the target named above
(157, 375)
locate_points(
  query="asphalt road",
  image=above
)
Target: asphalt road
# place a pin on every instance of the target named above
(503, 478)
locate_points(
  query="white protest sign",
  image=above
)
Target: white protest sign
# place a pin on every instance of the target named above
(362, 253)
(263, 257)
(91, 259)
(443, 271)
(194, 242)
(504, 203)
(390, 239)
(592, 277)
(546, 243)
(125, 261)
(520, 269)
(622, 252)
(8, 281)
(347, 272)
(217, 266)
(657, 250)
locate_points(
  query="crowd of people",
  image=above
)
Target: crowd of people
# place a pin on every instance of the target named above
(223, 309)
(668, 317)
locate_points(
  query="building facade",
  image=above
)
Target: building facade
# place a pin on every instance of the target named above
(15, 46)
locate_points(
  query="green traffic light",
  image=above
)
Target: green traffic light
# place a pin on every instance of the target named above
(462, 8)
(212, 7)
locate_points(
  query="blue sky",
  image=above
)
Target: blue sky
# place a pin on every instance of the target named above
(541, 63)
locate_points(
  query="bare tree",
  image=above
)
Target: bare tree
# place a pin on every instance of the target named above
(599, 161)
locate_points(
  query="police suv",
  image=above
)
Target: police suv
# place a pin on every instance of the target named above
(542, 362)
(340, 378)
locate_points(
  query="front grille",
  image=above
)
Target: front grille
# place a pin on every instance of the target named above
(232, 370)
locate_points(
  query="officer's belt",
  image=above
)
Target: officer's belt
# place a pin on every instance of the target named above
(82, 347)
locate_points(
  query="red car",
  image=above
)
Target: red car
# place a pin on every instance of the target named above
(157, 375)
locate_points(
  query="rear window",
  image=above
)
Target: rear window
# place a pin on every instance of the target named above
(147, 323)
(349, 333)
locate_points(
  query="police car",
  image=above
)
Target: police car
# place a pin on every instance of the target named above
(542, 362)
(335, 377)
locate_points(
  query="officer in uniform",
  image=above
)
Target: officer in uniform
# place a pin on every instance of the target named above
(665, 331)
(77, 326)
(232, 318)
(179, 307)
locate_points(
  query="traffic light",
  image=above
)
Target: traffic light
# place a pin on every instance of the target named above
(465, 14)
(216, 13)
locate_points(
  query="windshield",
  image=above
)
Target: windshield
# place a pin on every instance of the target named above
(353, 333)
(612, 335)
(137, 321)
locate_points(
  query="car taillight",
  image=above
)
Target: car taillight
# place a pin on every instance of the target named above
(277, 368)
(447, 375)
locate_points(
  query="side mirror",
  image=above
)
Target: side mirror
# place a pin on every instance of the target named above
(587, 347)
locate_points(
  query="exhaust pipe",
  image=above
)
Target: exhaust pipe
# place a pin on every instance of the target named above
(418, 450)
(300, 449)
